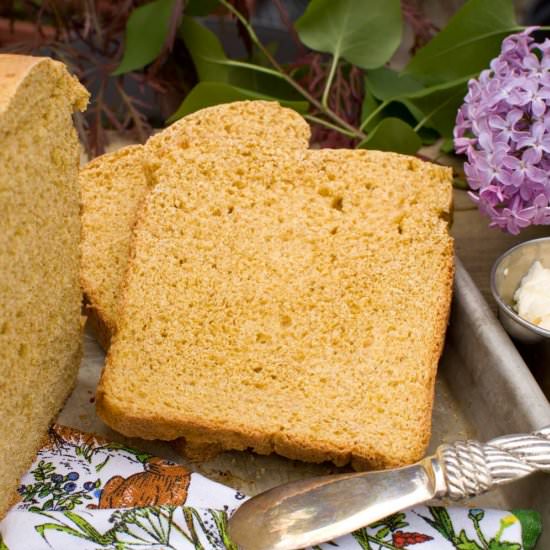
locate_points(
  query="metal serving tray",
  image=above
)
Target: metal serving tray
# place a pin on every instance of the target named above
(484, 389)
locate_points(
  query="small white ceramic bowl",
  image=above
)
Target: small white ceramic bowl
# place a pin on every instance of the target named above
(506, 277)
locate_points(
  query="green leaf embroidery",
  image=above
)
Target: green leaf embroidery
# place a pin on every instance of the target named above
(531, 527)
(146, 32)
(205, 94)
(392, 134)
(85, 526)
(363, 32)
(498, 545)
(441, 522)
(466, 45)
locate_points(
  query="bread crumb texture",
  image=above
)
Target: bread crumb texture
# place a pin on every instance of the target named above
(114, 185)
(40, 298)
(285, 301)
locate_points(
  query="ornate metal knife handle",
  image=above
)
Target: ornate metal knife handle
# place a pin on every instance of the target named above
(471, 468)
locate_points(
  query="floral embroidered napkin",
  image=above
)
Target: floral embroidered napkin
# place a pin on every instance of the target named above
(84, 493)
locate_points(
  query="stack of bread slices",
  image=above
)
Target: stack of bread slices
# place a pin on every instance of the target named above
(257, 294)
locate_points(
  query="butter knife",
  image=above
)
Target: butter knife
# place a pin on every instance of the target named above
(305, 513)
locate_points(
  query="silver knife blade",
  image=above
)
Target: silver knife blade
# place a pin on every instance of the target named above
(305, 513)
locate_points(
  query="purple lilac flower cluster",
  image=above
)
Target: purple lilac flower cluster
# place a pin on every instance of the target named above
(504, 129)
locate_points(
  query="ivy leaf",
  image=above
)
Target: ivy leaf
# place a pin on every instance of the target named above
(467, 44)
(392, 134)
(364, 32)
(206, 94)
(146, 32)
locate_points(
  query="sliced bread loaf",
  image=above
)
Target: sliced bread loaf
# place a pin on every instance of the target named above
(40, 297)
(114, 185)
(291, 302)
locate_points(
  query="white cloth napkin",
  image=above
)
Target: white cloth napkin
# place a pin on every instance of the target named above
(85, 493)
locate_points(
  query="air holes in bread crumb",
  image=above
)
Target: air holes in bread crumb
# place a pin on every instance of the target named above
(263, 338)
(23, 351)
(230, 210)
(334, 230)
(337, 203)
(324, 192)
(286, 321)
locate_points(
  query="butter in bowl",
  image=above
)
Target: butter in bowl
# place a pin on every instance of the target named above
(520, 282)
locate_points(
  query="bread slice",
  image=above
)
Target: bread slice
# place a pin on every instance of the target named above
(292, 302)
(40, 297)
(114, 185)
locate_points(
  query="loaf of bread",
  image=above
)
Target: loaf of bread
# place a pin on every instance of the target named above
(40, 297)
(114, 185)
(285, 301)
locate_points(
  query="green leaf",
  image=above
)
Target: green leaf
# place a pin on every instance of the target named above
(387, 84)
(368, 108)
(392, 134)
(364, 32)
(85, 526)
(41, 530)
(205, 49)
(201, 7)
(146, 32)
(466, 45)
(433, 106)
(531, 527)
(206, 94)
(382, 533)
(441, 522)
(440, 107)
(448, 145)
(498, 545)
(213, 65)
(464, 543)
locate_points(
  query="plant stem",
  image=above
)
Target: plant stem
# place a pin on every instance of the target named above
(328, 84)
(245, 65)
(356, 132)
(380, 107)
(328, 124)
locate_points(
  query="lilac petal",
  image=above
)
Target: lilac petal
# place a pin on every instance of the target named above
(538, 106)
